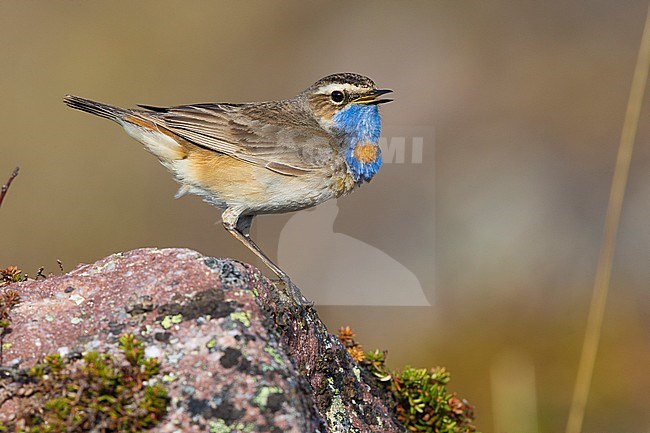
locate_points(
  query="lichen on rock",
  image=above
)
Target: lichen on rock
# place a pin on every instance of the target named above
(233, 355)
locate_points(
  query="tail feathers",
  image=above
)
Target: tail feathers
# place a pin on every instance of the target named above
(97, 108)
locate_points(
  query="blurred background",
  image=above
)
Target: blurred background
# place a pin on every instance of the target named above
(521, 104)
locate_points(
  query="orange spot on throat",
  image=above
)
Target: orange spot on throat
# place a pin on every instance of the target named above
(366, 153)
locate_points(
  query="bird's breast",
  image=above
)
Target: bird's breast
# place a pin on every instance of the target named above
(363, 159)
(366, 153)
(361, 126)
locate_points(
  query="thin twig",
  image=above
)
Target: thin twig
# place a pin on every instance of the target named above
(612, 220)
(40, 273)
(6, 186)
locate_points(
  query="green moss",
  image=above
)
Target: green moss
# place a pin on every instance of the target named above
(9, 298)
(423, 402)
(77, 395)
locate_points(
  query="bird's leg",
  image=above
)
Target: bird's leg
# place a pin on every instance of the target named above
(242, 232)
(239, 226)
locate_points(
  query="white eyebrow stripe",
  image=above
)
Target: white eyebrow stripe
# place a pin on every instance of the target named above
(329, 88)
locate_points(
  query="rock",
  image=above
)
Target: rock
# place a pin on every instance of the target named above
(235, 355)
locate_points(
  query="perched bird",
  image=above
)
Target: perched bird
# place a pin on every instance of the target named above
(263, 157)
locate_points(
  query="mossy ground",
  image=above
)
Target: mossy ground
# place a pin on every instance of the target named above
(9, 298)
(423, 402)
(96, 391)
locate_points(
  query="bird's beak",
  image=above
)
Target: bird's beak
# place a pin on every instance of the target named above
(371, 98)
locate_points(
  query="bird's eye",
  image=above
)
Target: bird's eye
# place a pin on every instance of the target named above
(337, 96)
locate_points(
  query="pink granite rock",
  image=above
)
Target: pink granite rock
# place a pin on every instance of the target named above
(235, 355)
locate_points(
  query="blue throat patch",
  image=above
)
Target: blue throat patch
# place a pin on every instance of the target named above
(362, 126)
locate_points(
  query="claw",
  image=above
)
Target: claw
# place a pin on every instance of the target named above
(294, 292)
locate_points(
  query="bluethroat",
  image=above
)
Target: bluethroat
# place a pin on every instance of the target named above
(263, 157)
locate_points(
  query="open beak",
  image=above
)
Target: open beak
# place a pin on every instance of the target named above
(371, 98)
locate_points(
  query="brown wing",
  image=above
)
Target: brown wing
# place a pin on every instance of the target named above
(282, 140)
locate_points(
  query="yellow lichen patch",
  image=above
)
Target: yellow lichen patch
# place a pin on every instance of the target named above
(365, 153)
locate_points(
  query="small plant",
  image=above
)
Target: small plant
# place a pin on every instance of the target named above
(10, 275)
(423, 402)
(346, 336)
(425, 405)
(9, 298)
(98, 392)
(5, 187)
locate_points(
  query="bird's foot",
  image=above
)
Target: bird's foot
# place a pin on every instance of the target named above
(294, 292)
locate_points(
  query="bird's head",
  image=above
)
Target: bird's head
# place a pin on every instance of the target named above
(347, 103)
